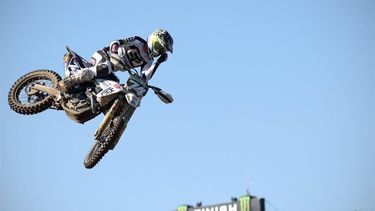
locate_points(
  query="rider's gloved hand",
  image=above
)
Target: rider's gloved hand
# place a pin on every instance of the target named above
(162, 58)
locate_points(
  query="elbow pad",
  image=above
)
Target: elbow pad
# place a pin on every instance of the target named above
(114, 46)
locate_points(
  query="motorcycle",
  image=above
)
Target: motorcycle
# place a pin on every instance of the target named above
(38, 90)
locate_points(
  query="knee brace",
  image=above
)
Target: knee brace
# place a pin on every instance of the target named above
(102, 70)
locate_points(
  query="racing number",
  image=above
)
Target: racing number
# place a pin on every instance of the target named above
(134, 57)
(108, 91)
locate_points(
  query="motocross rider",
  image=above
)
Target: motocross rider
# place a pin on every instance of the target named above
(124, 54)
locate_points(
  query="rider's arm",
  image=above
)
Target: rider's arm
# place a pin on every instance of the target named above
(113, 47)
(148, 70)
(117, 43)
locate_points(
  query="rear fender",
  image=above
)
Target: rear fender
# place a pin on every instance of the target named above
(74, 62)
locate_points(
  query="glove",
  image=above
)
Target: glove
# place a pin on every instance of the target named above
(163, 58)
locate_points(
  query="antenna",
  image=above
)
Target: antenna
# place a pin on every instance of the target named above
(248, 192)
(248, 182)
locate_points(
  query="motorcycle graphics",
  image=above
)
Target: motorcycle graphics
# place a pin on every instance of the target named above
(37, 91)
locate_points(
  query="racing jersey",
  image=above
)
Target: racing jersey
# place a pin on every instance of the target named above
(134, 52)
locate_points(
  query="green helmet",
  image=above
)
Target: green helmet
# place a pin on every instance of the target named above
(159, 42)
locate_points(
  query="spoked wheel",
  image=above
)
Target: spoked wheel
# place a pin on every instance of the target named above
(111, 134)
(25, 100)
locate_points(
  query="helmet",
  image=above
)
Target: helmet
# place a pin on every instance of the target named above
(159, 42)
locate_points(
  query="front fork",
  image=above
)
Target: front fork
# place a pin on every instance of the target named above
(126, 114)
(108, 117)
(126, 111)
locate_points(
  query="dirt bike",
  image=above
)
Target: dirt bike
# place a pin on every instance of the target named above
(38, 90)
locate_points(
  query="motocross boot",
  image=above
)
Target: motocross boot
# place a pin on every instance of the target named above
(79, 77)
(67, 83)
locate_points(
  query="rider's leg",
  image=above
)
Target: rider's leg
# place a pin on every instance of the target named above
(101, 67)
(78, 77)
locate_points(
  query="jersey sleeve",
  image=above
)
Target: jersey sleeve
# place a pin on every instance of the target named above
(147, 71)
(113, 47)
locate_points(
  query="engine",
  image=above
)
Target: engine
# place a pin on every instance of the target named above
(79, 107)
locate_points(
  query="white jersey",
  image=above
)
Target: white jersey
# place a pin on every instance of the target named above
(134, 52)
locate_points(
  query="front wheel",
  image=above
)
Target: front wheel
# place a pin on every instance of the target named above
(25, 100)
(111, 134)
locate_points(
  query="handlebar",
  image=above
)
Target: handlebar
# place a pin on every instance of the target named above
(165, 97)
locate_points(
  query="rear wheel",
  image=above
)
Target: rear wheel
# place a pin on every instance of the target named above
(111, 134)
(25, 100)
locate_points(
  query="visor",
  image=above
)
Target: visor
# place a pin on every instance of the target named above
(158, 48)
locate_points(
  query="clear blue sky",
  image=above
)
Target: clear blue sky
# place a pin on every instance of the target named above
(277, 97)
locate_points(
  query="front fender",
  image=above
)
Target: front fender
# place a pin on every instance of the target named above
(133, 99)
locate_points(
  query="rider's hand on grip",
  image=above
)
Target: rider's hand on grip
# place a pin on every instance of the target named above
(163, 58)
